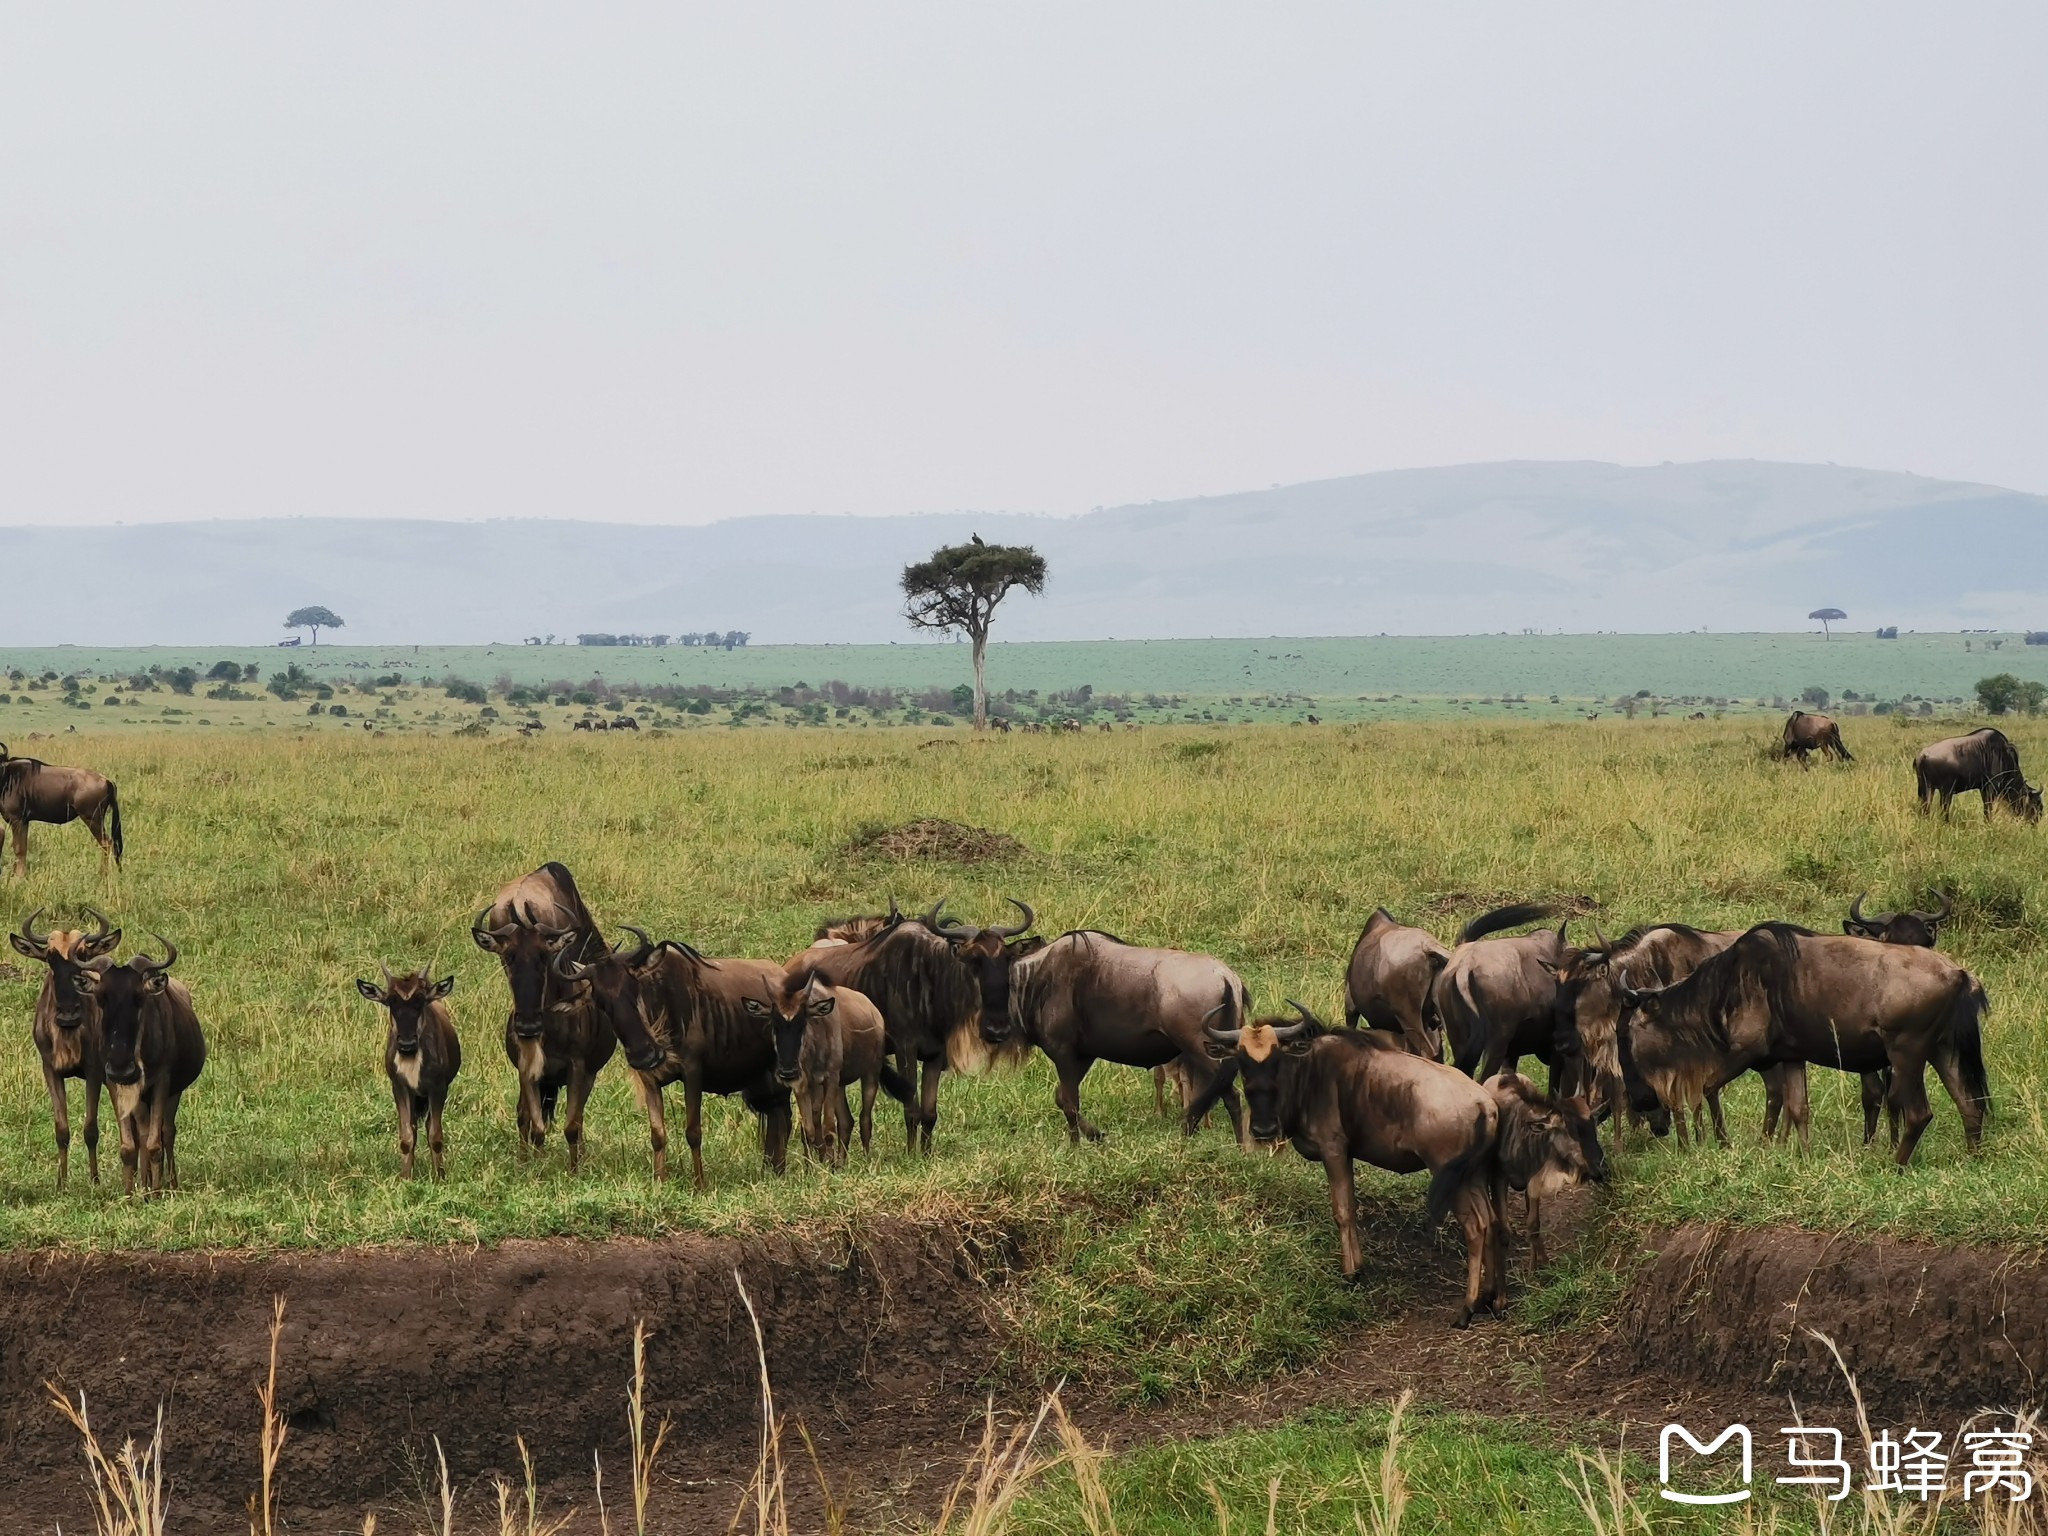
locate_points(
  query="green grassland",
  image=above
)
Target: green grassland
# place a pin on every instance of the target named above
(1235, 681)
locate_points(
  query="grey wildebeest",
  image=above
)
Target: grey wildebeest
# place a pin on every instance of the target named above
(1806, 734)
(155, 1050)
(1546, 1145)
(1984, 761)
(827, 1039)
(1781, 994)
(1355, 1095)
(1922, 929)
(1496, 1000)
(422, 1054)
(33, 790)
(67, 1027)
(1089, 997)
(554, 1038)
(1387, 985)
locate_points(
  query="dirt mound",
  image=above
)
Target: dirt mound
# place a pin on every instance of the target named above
(937, 841)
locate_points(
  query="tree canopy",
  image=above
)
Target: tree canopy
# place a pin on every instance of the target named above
(958, 589)
(315, 619)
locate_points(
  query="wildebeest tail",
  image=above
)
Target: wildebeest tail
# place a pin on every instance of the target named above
(1504, 917)
(114, 816)
(894, 1086)
(1969, 1026)
(1445, 1183)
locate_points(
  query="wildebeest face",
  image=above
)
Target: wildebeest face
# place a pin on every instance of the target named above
(121, 991)
(989, 953)
(1575, 1143)
(1259, 1055)
(406, 998)
(528, 951)
(1642, 1098)
(66, 952)
(1919, 929)
(612, 984)
(799, 1006)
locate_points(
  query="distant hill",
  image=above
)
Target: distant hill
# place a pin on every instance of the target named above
(1728, 545)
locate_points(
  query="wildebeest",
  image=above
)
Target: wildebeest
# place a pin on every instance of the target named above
(422, 1054)
(826, 1039)
(1806, 734)
(67, 1027)
(625, 723)
(707, 1024)
(1496, 1001)
(1546, 1145)
(155, 1050)
(851, 930)
(1089, 997)
(583, 725)
(1984, 761)
(554, 1038)
(1388, 982)
(33, 790)
(1781, 994)
(1918, 928)
(1341, 1096)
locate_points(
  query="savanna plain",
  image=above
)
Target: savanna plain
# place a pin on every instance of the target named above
(1154, 1275)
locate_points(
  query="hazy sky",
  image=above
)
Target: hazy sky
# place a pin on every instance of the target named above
(681, 262)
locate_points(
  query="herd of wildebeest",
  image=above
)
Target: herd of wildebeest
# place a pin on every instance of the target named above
(1646, 1028)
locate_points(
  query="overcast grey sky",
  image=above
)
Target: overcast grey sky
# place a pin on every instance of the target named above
(674, 263)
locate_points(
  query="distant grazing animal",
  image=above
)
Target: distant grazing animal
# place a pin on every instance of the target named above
(1698, 714)
(1355, 1095)
(1315, 720)
(583, 725)
(33, 790)
(1984, 761)
(625, 723)
(554, 1038)
(67, 1027)
(155, 1050)
(1782, 994)
(422, 1054)
(1546, 1145)
(1496, 1001)
(1089, 997)
(826, 1039)
(1806, 734)
(1393, 967)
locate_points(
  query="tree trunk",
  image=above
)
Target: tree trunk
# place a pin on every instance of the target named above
(316, 633)
(981, 680)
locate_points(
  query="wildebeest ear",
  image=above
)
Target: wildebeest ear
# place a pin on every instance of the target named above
(1549, 966)
(24, 946)
(1301, 1045)
(754, 1005)
(370, 989)
(824, 1005)
(87, 980)
(442, 988)
(155, 982)
(1218, 1051)
(484, 941)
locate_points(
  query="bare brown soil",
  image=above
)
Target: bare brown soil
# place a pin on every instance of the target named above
(881, 1347)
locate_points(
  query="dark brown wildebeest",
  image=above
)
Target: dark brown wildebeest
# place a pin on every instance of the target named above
(1388, 982)
(1806, 734)
(1546, 1145)
(1089, 997)
(67, 1027)
(584, 725)
(554, 1037)
(826, 1039)
(1922, 929)
(1984, 761)
(851, 930)
(1781, 995)
(33, 790)
(1355, 1095)
(422, 1054)
(930, 1000)
(707, 1024)
(625, 723)
(155, 1050)
(1496, 1001)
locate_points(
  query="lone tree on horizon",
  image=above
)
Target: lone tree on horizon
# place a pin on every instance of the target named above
(1826, 617)
(315, 619)
(958, 589)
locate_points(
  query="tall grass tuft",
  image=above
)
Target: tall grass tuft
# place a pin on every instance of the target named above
(128, 1487)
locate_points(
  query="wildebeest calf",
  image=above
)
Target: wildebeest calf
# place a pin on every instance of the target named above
(154, 1052)
(826, 1039)
(422, 1054)
(1546, 1145)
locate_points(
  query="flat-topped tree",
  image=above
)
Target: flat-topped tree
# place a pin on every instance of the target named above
(1827, 616)
(958, 589)
(315, 619)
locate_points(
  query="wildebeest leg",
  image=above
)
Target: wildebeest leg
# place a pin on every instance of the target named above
(869, 1086)
(1159, 1091)
(1714, 1114)
(402, 1097)
(20, 831)
(94, 1086)
(580, 1080)
(60, 1115)
(906, 1068)
(928, 1103)
(844, 1125)
(648, 1093)
(1774, 1098)
(1472, 1201)
(1344, 1206)
(127, 1106)
(533, 1117)
(169, 1125)
(1951, 1072)
(775, 1132)
(1068, 1097)
(693, 1130)
(1873, 1101)
(435, 1106)
(1798, 1110)
(94, 823)
(1493, 1212)
(1909, 1098)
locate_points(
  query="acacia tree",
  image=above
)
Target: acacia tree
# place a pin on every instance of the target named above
(958, 589)
(315, 619)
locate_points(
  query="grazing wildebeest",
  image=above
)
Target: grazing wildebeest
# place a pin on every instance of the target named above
(1922, 929)
(67, 1027)
(707, 1024)
(1806, 734)
(1496, 1001)
(1089, 997)
(1984, 761)
(422, 1054)
(155, 1050)
(826, 1039)
(554, 1037)
(1781, 994)
(930, 1004)
(625, 723)
(33, 790)
(1546, 1145)
(584, 725)
(1348, 1095)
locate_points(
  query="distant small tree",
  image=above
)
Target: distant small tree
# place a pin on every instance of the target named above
(2005, 694)
(1827, 616)
(315, 619)
(1817, 697)
(957, 590)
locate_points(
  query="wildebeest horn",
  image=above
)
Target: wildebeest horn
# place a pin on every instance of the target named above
(1628, 994)
(503, 931)
(1931, 918)
(388, 977)
(895, 912)
(567, 966)
(931, 918)
(1604, 945)
(1285, 1032)
(1856, 910)
(102, 926)
(646, 944)
(28, 929)
(170, 955)
(1030, 918)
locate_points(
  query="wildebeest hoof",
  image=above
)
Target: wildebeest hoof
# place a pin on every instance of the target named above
(1463, 1319)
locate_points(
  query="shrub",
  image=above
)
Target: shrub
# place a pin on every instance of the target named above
(467, 692)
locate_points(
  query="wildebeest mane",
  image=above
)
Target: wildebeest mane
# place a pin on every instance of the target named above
(924, 993)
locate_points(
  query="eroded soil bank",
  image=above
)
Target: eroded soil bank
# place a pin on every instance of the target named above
(882, 1347)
